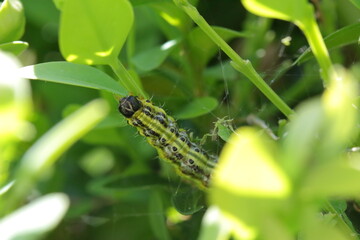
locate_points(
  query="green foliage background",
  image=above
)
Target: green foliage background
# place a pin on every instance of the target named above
(290, 171)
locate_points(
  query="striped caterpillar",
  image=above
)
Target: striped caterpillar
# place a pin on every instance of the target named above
(172, 143)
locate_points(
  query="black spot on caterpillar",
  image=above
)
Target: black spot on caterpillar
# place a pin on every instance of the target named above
(172, 143)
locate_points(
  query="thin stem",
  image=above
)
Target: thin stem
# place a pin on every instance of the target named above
(238, 63)
(318, 47)
(133, 86)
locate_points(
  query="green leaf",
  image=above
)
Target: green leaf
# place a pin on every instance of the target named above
(356, 3)
(12, 21)
(208, 48)
(332, 180)
(36, 219)
(302, 137)
(15, 47)
(44, 153)
(291, 10)
(254, 155)
(97, 161)
(342, 37)
(198, 107)
(214, 226)
(72, 74)
(153, 57)
(92, 31)
(59, 4)
(157, 217)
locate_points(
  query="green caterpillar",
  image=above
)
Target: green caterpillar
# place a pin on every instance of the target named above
(173, 144)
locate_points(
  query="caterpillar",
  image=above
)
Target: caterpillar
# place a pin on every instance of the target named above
(172, 143)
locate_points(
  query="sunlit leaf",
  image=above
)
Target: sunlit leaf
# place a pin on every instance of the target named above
(15, 47)
(12, 21)
(93, 32)
(15, 109)
(34, 220)
(296, 11)
(214, 226)
(247, 166)
(340, 103)
(301, 137)
(332, 180)
(72, 74)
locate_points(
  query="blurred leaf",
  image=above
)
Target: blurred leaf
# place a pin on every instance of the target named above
(208, 48)
(93, 32)
(36, 219)
(332, 180)
(73, 74)
(15, 47)
(112, 121)
(253, 154)
(342, 37)
(4, 189)
(214, 226)
(59, 4)
(157, 217)
(188, 199)
(198, 107)
(119, 186)
(356, 3)
(173, 16)
(15, 109)
(154, 57)
(302, 137)
(317, 229)
(97, 161)
(12, 21)
(43, 154)
(342, 111)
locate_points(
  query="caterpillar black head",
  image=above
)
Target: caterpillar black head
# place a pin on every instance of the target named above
(129, 105)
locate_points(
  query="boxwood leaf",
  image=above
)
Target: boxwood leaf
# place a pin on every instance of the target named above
(72, 74)
(92, 31)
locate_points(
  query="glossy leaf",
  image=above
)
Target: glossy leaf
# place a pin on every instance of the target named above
(93, 32)
(72, 74)
(15, 47)
(12, 21)
(296, 11)
(154, 57)
(198, 107)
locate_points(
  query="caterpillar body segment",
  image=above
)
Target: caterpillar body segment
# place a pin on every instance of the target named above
(172, 143)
